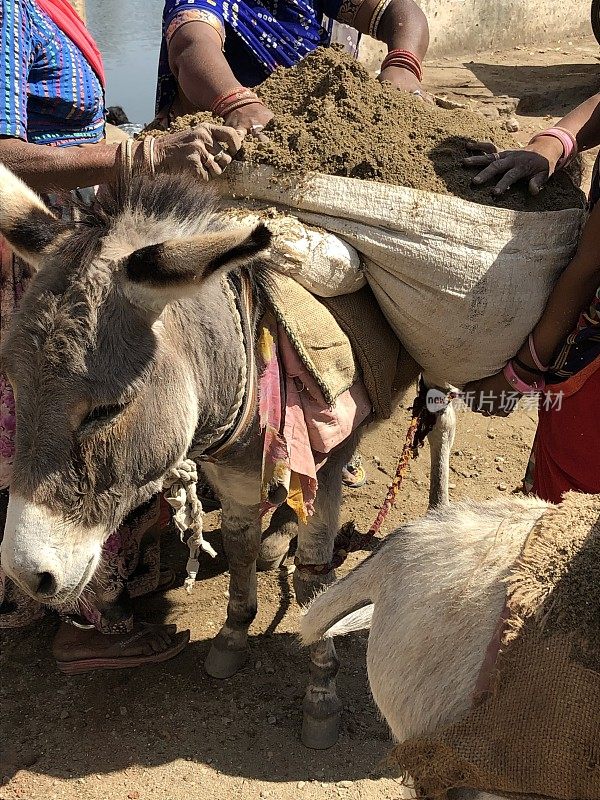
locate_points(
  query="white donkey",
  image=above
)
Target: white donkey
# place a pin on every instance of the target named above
(432, 596)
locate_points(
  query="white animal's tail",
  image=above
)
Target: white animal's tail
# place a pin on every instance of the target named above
(344, 607)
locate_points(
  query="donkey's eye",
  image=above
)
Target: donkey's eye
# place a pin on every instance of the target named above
(101, 415)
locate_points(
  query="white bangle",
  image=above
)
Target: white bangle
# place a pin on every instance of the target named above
(129, 158)
(152, 156)
(148, 164)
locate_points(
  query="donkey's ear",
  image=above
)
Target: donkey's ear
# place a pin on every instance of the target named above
(161, 273)
(26, 222)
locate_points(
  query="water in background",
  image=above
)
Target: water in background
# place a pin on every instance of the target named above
(128, 35)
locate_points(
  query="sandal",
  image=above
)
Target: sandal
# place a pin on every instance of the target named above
(112, 656)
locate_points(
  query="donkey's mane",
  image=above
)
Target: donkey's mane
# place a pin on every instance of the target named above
(176, 203)
(164, 197)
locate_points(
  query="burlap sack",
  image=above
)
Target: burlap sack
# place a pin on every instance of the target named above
(320, 261)
(330, 338)
(460, 283)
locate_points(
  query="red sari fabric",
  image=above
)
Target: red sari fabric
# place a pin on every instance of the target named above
(62, 13)
(567, 443)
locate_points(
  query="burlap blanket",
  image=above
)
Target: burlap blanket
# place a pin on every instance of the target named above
(341, 340)
(537, 731)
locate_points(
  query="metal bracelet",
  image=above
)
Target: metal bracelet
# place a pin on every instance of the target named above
(152, 156)
(380, 10)
(149, 161)
(82, 626)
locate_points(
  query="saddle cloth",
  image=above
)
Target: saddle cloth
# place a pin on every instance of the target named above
(341, 340)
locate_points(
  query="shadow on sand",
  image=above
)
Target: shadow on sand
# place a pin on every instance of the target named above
(247, 726)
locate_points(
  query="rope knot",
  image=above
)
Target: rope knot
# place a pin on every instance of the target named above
(179, 486)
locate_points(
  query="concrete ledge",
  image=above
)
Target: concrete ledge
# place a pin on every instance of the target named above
(464, 25)
(469, 26)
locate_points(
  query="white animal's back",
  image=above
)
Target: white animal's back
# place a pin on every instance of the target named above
(440, 593)
(437, 591)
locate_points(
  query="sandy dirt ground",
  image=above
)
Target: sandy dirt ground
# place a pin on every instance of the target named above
(172, 733)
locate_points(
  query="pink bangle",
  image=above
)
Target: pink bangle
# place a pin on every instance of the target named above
(566, 138)
(534, 356)
(519, 385)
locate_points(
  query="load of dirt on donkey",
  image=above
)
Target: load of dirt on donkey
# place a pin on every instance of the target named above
(333, 117)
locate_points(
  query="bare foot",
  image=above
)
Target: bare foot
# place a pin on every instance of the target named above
(77, 650)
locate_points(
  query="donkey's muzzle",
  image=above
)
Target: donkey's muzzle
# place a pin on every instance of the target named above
(50, 559)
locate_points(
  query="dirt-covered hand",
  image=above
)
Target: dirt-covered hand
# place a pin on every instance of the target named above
(203, 151)
(250, 119)
(404, 81)
(493, 396)
(534, 163)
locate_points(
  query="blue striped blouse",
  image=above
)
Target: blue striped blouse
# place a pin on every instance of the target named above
(49, 94)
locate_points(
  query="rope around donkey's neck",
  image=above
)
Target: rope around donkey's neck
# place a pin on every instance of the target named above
(180, 483)
(218, 433)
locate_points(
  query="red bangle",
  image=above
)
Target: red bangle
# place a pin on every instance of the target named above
(230, 97)
(221, 98)
(223, 103)
(404, 65)
(238, 104)
(405, 55)
(405, 60)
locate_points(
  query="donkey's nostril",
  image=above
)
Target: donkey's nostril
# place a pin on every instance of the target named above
(47, 584)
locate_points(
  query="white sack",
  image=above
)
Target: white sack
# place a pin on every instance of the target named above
(320, 261)
(461, 284)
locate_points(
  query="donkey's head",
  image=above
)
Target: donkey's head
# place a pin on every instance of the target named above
(106, 398)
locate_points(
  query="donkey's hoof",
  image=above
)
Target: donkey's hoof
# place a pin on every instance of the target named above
(266, 565)
(224, 663)
(320, 733)
(273, 551)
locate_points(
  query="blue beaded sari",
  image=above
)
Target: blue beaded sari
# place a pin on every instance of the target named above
(261, 35)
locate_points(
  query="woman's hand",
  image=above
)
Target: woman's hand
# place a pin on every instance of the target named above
(536, 162)
(493, 396)
(250, 119)
(405, 81)
(203, 151)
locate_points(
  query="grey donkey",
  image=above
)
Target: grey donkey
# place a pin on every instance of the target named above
(126, 354)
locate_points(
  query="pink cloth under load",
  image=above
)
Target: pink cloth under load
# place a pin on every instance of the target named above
(302, 429)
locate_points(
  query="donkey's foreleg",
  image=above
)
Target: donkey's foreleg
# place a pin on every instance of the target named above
(441, 440)
(241, 539)
(321, 707)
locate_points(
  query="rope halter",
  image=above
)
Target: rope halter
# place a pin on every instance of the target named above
(180, 483)
(179, 488)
